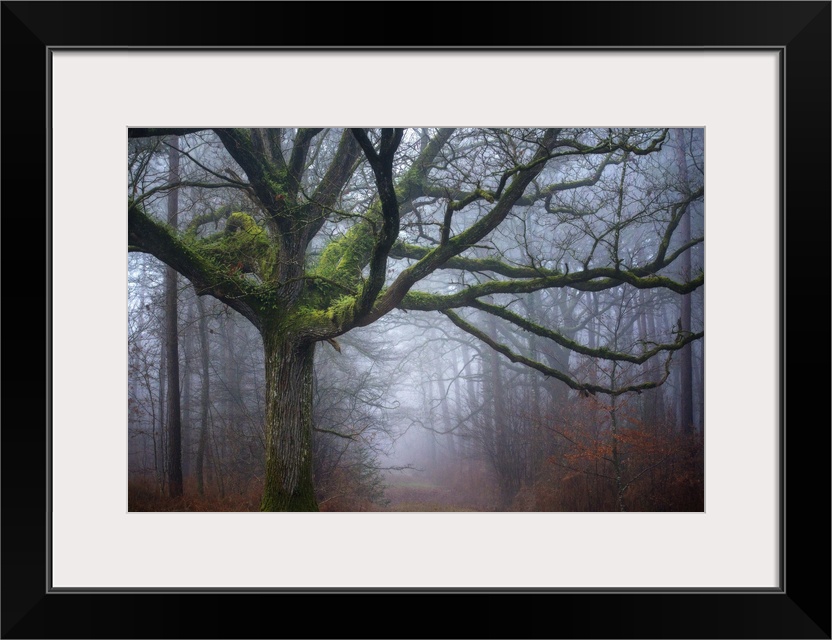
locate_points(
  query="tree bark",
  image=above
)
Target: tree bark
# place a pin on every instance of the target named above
(498, 438)
(161, 455)
(686, 400)
(172, 343)
(204, 397)
(655, 396)
(187, 394)
(174, 414)
(289, 387)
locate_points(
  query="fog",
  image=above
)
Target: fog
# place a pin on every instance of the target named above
(552, 363)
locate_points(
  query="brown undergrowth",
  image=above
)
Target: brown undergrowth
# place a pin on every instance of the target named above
(143, 494)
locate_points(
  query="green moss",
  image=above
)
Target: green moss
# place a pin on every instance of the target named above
(410, 183)
(343, 259)
(419, 300)
(485, 195)
(342, 310)
(239, 221)
(242, 247)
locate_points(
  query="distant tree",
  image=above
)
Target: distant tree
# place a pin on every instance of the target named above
(686, 396)
(324, 231)
(204, 398)
(174, 411)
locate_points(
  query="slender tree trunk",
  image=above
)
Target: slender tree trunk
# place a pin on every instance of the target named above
(172, 342)
(217, 465)
(204, 397)
(469, 406)
(289, 387)
(498, 437)
(616, 458)
(427, 408)
(686, 400)
(656, 396)
(187, 393)
(444, 399)
(646, 403)
(174, 414)
(459, 404)
(700, 386)
(161, 475)
(537, 438)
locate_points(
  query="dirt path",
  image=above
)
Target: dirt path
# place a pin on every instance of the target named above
(407, 494)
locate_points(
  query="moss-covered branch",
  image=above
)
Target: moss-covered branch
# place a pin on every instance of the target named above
(586, 388)
(345, 258)
(382, 165)
(209, 274)
(268, 180)
(266, 141)
(441, 254)
(589, 280)
(214, 216)
(678, 211)
(402, 250)
(599, 352)
(243, 246)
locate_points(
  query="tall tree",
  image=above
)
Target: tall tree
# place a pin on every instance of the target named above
(686, 371)
(341, 227)
(174, 414)
(204, 397)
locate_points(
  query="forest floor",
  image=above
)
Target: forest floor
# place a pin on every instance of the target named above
(419, 495)
(403, 494)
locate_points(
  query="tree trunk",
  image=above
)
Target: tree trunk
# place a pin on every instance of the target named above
(204, 397)
(444, 399)
(172, 343)
(431, 413)
(468, 407)
(187, 393)
(656, 396)
(160, 458)
(498, 438)
(174, 414)
(686, 400)
(289, 389)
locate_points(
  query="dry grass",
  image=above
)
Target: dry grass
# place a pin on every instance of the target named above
(417, 495)
(676, 485)
(143, 495)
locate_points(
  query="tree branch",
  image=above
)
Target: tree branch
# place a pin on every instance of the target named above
(339, 172)
(549, 371)
(600, 352)
(440, 255)
(382, 165)
(149, 236)
(303, 139)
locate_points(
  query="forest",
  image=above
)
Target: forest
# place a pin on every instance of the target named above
(415, 319)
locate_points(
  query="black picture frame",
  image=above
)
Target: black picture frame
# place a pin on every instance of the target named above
(800, 608)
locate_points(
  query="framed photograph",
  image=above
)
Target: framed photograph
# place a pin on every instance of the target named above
(753, 78)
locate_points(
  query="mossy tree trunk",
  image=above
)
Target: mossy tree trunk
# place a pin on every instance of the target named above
(289, 386)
